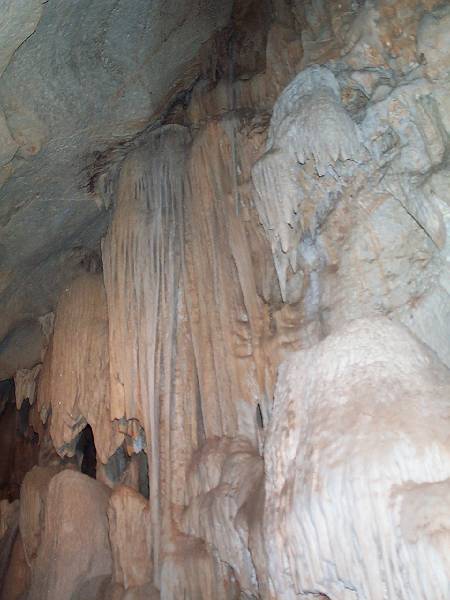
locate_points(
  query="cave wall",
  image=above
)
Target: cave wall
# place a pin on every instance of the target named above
(268, 324)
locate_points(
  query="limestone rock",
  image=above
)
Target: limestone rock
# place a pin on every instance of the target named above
(81, 81)
(348, 454)
(224, 474)
(18, 449)
(228, 320)
(25, 382)
(33, 496)
(9, 518)
(142, 268)
(206, 378)
(7, 144)
(192, 572)
(78, 384)
(21, 349)
(433, 41)
(354, 251)
(75, 544)
(19, 21)
(144, 592)
(308, 123)
(8, 514)
(102, 588)
(245, 230)
(130, 535)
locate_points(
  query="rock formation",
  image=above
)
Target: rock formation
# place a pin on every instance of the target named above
(347, 454)
(33, 496)
(78, 384)
(75, 533)
(224, 284)
(130, 534)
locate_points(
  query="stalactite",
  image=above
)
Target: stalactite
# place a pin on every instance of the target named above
(142, 257)
(186, 317)
(312, 144)
(75, 377)
(25, 381)
(226, 311)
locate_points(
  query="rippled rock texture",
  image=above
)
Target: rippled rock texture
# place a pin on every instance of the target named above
(77, 81)
(255, 363)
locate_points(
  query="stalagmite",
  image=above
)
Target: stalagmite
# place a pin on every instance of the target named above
(75, 545)
(359, 433)
(222, 480)
(192, 571)
(17, 579)
(33, 496)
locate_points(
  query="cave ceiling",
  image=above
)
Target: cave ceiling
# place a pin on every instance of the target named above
(78, 81)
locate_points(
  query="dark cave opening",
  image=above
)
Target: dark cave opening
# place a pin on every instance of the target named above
(87, 453)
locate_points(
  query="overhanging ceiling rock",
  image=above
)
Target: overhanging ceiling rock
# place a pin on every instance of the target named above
(79, 78)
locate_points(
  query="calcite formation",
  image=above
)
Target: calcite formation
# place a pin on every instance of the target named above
(308, 123)
(17, 578)
(25, 382)
(33, 496)
(347, 455)
(202, 380)
(142, 296)
(221, 483)
(77, 82)
(249, 208)
(75, 533)
(130, 535)
(78, 388)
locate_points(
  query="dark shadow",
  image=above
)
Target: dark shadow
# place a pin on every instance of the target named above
(23, 418)
(259, 417)
(87, 452)
(144, 487)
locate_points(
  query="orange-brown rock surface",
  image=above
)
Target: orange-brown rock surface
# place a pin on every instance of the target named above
(77, 377)
(130, 536)
(33, 497)
(74, 545)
